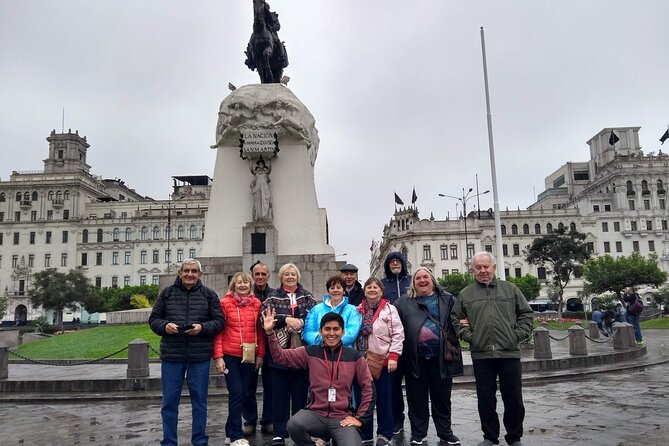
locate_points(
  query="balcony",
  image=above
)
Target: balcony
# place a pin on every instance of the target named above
(57, 203)
(25, 205)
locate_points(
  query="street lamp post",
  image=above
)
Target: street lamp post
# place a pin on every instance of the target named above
(466, 196)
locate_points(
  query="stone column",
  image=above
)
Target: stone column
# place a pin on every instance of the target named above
(620, 341)
(577, 341)
(631, 339)
(542, 343)
(593, 330)
(138, 359)
(4, 364)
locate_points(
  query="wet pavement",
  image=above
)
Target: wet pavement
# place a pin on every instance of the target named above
(625, 404)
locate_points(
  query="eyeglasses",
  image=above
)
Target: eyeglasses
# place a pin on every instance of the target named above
(194, 271)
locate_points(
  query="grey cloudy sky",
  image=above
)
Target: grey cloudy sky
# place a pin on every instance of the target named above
(396, 88)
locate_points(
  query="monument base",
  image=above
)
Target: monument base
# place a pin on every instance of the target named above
(260, 241)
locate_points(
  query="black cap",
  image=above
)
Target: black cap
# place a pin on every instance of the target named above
(349, 268)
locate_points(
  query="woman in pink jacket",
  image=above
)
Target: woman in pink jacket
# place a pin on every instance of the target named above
(382, 333)
(239, 350)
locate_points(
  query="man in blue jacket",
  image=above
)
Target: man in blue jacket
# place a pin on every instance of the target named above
(187, 315)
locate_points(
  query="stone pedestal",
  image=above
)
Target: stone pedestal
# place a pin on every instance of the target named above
(620, 338)
(593, 330)
(631, 338)
(260, 241)
(542, 343)
(4, 361)
(577, 345)
(138, 359)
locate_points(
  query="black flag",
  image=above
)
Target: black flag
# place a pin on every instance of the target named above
(398, 200)
(664, 137)
(613, 139)
(414, 197)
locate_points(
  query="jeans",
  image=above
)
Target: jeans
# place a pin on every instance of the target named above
(250, 410)
(172, 379)
(289, 395)
(509, 372)
(634, 320)
(398, 396)
(384, 407)
(239, 382)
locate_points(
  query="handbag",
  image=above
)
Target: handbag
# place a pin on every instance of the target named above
(636, 307)
(296, 340)
(248, 348)
(375, 362)
(452, 350)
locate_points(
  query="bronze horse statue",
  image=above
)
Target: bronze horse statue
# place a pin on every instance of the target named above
(265, 52)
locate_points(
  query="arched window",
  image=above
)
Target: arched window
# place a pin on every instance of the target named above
(503, 229)
(34, 196)
(3, 197)
(18, 196)
(66, 195)
(128, 234)
(84, 236)
(572, 227)
(405, 251)
(59, 195)
(156, 233)
(168, 232)
(202, 231)
(630, 187)
(49, 196)
(116, 234)
(180, 232)
(660, 187)
(144, 233)
(549, 228)
(537, 228)
(526, 229)
(192, 231)
(560, 225)
(99, 238)
(26, 196)
(514, 229)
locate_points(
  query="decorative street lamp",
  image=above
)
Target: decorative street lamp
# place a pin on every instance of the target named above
(466, 196)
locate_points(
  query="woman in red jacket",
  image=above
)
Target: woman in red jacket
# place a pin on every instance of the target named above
(239, 350)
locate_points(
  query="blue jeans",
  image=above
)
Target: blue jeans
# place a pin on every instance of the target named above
(634, 320)
(172, 380)
(289, 395)
(384, 406)
(239, 381)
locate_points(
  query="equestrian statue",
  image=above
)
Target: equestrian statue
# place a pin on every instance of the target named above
(265, 52)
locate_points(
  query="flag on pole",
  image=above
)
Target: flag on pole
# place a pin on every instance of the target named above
(664, 137)
(371, 248)
(613, 139)
(398, 200)
(414, 197)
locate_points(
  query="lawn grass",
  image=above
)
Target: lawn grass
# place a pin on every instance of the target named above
(655, 323)
(661, 323)
(91, 343)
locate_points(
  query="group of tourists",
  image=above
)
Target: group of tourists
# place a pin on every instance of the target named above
(327, 367)
(630, 313)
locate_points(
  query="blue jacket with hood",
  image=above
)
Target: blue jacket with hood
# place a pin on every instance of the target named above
(395, 285)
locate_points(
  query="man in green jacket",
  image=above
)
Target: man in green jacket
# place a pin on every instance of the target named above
(494, 317)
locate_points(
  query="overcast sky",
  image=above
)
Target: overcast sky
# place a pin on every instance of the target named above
(396, 88)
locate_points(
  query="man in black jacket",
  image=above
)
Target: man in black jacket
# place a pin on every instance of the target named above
(353, 290)
(187, 315)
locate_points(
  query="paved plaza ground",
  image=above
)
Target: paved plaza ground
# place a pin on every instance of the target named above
(617, 407)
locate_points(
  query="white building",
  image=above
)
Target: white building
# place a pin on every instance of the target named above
(65, 217)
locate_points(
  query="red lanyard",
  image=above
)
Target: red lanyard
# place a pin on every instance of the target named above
(336, 365)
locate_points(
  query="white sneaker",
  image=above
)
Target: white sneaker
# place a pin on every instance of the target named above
(227, 440)
(240, 442)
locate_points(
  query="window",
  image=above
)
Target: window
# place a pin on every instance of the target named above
(444, 273)
(660, 187)
(2, 216)
(66, 195)
(605, 226)
(560, 226)
(31, 260)
(663, 203)
(616, 226)
(143, 233)
(142, 280)
(649, 225)
(180, 255)
(3, 197)
(99, 236)
(115, 234)
(633, 225)
(506, 272)
(427, 255)
(516, 249)
(581, 176)
(33, 215)
(537, 228)
(126, 280)
(154, 280)
(651, 245)
(84, 258)
(595, 208)
(47, 260)
(590, 247)
(98, 258)
(180, 232)
(635, 245)
(49, 215)
(454, 252)
(128, 234)
(607, 247)
(191, 253)
(114, 282)
(630, 188)
(66, 214)
(646, 205)
(16, 238)
(518, 272)
(192, 231)
(1, 238)
(156, 233)
(168, 232)
(32, 238)
(156, 256)
(63, 259)
(84, 236)
(559, 181)
(168, 255)
(48, 237)
(619, 246)
(503, 229)
(455, 271)
(142, 257)
(572, 227)
(115, 258)
(549, 228)
(664, 228)
(444, 252)
(541, 273)
(18, 196)
(15, 261)
(607, 207)
(49, 195)
(514, 229)
(65, 236)
(644, 187)
(17, 216)
(630, 205)
(470, 251)
(126, 258)
(505, 250)
(488, 248)
(526, 229)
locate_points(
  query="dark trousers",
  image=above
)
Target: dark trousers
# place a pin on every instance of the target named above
(486, 372)
(250, 408)
(305, 424)
(384, 407)
(398, 396)
(238, 380)
(289, 395)
(429, 384)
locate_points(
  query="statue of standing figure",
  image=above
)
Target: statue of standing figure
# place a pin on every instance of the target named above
(262, 197)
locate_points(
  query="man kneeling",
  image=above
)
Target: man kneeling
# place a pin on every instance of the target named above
(332, 369)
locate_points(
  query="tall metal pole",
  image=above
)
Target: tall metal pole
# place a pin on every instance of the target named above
(498, 222)
(464, 209)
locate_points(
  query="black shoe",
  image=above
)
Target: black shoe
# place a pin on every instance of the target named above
(249, 429)
(267, 428)
(451, 440)
(278, 441)
(417, 440)
(398, 429)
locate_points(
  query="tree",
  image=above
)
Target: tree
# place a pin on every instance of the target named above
(4, 303)
(564, 253)
(53, 290)
(119, 299)
(606, 274)
(661, 299)
(528, 284)
(454, 283)
(140, 301)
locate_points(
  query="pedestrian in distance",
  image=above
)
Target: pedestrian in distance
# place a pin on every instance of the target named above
(187, 316)
(634, 307)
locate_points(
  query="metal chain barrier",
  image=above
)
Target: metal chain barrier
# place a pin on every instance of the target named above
(92, 361)
(556, 339)
(596, 341)
(154, 350)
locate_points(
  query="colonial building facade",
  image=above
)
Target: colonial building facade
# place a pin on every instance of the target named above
(65, 217)
(617, 198)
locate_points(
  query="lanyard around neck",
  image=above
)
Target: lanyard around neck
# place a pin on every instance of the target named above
(332, 373)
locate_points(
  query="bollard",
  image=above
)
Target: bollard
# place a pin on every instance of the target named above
(544, 324)
(138, 359)
(593, 330)
(631, 339)
(542, 343)
(620, 341)
(577, 341)
(4, 361)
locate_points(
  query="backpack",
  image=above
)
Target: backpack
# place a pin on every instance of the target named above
(636, 307)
